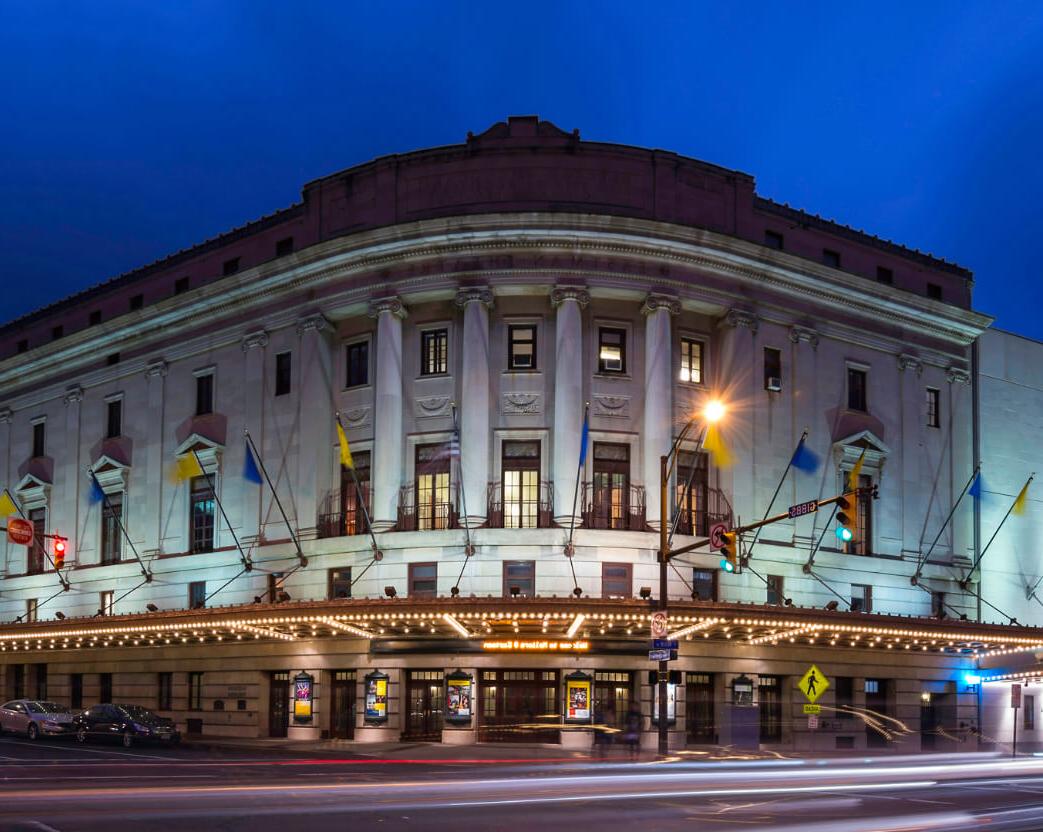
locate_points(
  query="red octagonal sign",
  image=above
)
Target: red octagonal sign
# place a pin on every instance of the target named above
(19, 531)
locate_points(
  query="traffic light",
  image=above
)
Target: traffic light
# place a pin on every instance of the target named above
(730, 552)
(59, 553)
(847, 517)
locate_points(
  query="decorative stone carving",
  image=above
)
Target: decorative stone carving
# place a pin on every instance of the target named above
(954, 374)
(358, 417)
(316, 322)
(392, 304)
(559, 295)
(611, 405)
(521, 402)
(657, 301)
(908, 362)
(798, 334)
(73, 395)
(259, 338)
(742, 318)
(436, 406)
(111, 474)
(482, 295)
(155, 368)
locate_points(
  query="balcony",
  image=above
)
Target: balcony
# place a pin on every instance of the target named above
(343, 517)
(698, 521)
(527, 510)
(613, 508)
(436, 511)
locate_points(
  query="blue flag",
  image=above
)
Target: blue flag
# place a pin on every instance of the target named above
(976, 487)
(97, 493)
(804, 459)
(250, 471)
(584, 439)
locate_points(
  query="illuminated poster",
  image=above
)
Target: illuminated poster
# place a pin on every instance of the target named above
(671, 704)
(303, 686)
(376, 698)
(577, 698)
(459, 698)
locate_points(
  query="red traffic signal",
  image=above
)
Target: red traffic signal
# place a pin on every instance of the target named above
(59, 553)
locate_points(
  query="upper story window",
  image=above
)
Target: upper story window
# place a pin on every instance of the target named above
(521, 347)
(934, 416)
(610, 499)
(773, 240)
(196, 594)
(772, 369)
(38, 518)
(282, 373)
(831, 258)
(612, 350)
(354, 492)
(616, 580)
(775, 590)
(111, 538)
(862, 544)
(704, 584)
(434, 352)
(434, 507)
(357, 361)
(105, 601)
(230, 267)
(181, 285)
(137, 301)
(519, 579)
(423, 579)
(284, 247)
(39, 437)
(521, 483)
(94, 318)
(862, 598)
(934, 291)
(691, 360)
(885, 275)
(114, 418)
(691, 493)
(32, 609)
(856, 389)
(204, 394)
(339, 583)
(201, 516)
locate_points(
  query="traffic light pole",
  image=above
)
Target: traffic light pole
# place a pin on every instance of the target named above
(664, 558)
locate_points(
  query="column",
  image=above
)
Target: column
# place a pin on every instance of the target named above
(387, 469)
(912, 495)
(66, 519)
(961, 458)
(804, 375)
(569, 362)
(155, 483)
(656, 436)
(315, 455)
(474, 403)
(253, 345)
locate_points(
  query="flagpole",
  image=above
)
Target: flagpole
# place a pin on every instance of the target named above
(778, 489)
(966, 579)
(119, 520)
(923, 559)
(247, 564)
(66, 585)
(463, 492)
(377, 555)
(569, 549)
(300, 556)
(687, 488)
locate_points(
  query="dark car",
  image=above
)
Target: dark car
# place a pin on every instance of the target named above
(127, 722)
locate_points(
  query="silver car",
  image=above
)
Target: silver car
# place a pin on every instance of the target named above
(35, 718)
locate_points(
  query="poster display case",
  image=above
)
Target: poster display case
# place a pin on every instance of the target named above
(577, 698)
(303, 698)
(376, 698)
(459, 698)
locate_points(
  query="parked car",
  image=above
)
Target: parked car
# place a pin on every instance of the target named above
(127, 722)
(35, 718)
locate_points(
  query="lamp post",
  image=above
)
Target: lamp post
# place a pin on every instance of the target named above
(712, 413)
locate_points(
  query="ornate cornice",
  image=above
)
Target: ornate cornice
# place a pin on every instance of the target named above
(658, 301)
(316, 323)
(798, 334)
(741, 318)
(258, 338)
(908, 362)
(392, 304)
(74, 394)
(954, 374)
(156, 368)
(482, 295)
(559, 295)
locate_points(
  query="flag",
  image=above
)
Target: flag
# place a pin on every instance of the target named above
(714, 443)
(7, 505)
(345, 449)
(1019, 502)
(584, 438)
(976, 487)
(250, 471)
(804, 459)
(856, 470)
(187, 466)
(97, 493)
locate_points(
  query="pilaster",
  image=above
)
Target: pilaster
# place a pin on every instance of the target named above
(474, 403)
(656, 435)
(569, 370)
(387, 468)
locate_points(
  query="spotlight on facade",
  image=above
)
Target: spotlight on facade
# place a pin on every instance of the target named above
(831, 605)
(454, 591)
(577, 592)
(515, 590)
(152, 607)
(646, 592)
(788, 603)
(282, 596)
(390, 592)
(58, 615)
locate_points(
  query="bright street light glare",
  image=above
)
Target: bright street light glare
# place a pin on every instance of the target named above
(713, 411)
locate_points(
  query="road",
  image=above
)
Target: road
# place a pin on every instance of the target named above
(59, 785)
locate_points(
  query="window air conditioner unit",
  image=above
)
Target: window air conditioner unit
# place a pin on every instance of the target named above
(774, 383)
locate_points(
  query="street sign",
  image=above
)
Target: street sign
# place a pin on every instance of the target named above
(797, 510)
(812, 709)
(659, 625)
(812, 722)
(664, 644)
(19, 531)
(1015, 695)
(717, 535)
(659, 654)
(813, 684)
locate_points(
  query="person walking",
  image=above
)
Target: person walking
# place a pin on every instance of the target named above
(632, 732)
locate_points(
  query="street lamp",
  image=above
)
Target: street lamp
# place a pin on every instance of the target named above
(712, 413)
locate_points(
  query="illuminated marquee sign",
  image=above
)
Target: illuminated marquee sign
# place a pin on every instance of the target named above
(536, 645)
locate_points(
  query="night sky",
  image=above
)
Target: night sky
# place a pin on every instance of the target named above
(134, 129)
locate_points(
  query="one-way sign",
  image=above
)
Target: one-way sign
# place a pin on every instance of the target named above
(664, 644)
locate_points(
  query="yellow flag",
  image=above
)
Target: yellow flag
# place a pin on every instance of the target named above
(188, 467)
(7, 505)
(1019, 502)
(345, 449)
(856, 470)
(715, 445)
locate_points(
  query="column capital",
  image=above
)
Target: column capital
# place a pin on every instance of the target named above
(657, 301)
(466, 295)
(736, 317)
(155, 368)
(255, 339)
(73, 394)
(798, 334)
(392, 304)
(316, 322)
(559, 295)
(908, 362)
(6, 414)
(955, 374)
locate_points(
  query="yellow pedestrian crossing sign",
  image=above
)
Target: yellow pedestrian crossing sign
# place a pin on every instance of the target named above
(813, 684)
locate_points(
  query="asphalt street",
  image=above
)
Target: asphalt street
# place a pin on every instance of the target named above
(56, 784)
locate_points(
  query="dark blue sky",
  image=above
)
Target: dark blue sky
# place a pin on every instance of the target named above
(133, 129)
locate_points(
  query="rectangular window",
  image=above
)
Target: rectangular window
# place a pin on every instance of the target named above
(284, 247)
(282, 374)
(872, 686)
(32, 608)
(773, 240)
(845, 690)
(692, 492)
(616, 580)
(354, 493)
(856, 389)
(934, 417)
(612, 350)
(521, 577)
(520, 484)
(275, 580)
(57, 331)
(521, 347)
(358, 364)
(137, 301)
(423, 579)
(114, 418)
(111, 535)
(862, 598)
(434, 352)
(201, 516)
(40, 681)
(165, 690)
(339, 583)
(195, 690)
(105, 687)
(181, 285)
(39, 437)
(204, 394)
(934, 291)
(610, 490)
(76, 690)
(433, 497)
(196, 594)
(831, 258)
(775, 591)
(938, 607)
(885, 275)
(230, 267)
(94, 318)
(105, 603)
(772, 369)
(1030, 712)
(704, 584)
(38, 518)
(691, 361)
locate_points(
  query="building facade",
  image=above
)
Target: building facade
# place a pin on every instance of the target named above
(462, 312)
